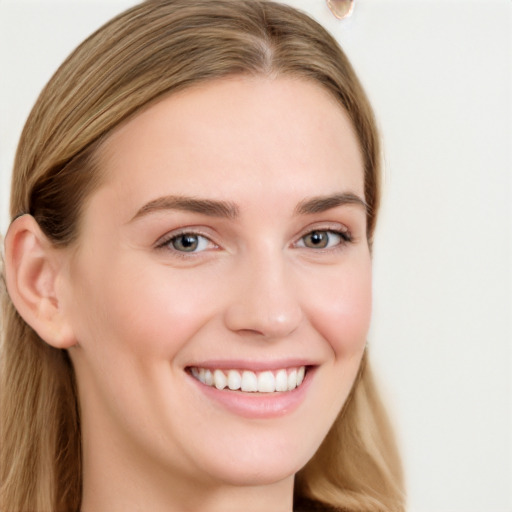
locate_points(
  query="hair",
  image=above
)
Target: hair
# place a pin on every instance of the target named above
(151, 50)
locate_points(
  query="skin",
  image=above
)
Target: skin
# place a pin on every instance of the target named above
(140, 312)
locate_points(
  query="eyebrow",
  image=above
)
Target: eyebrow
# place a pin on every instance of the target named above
(321, 204)
(229, 210)
(209, 207)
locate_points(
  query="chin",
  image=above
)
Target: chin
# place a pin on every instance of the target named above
(267, 474)
(256, 464)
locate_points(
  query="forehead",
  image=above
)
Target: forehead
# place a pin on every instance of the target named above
(233, 133)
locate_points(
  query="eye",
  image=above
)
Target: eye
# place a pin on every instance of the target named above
(187, 242)
(323, 239)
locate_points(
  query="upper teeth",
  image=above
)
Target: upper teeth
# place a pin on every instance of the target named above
(249, 381)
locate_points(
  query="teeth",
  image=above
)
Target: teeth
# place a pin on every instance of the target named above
(292, 380)
(266, 382)
(300, 375)
(234, 380)
(251, 382)
(219, 379)
(281, 380)
(208, 378)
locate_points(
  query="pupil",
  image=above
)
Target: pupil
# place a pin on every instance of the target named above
(317, 238)
(186, 243)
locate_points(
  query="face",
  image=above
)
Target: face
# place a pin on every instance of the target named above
(220, 290)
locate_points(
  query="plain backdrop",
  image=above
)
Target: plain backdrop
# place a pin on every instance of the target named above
(439, 75)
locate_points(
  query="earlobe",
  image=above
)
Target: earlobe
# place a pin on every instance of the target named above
(32, 267)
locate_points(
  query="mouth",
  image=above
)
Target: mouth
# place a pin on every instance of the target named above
(248, 381)
(262, 390)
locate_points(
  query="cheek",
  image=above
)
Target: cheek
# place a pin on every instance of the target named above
(146, 313)
(341, 309)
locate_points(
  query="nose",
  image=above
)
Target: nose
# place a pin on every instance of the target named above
(265, 301)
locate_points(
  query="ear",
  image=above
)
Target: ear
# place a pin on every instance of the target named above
(32, 270)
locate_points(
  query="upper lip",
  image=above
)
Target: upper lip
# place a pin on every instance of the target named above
(244, 364)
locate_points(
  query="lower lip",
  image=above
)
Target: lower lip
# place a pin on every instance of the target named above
(258, 405)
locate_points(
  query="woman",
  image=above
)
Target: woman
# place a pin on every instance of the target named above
(189, 273)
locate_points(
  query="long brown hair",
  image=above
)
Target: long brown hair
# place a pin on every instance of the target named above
(155, 48)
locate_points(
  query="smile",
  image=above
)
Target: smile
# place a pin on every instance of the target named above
(284, 379)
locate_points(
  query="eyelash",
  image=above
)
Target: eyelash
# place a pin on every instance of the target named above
(344, 238)
(344, 235)
(166, 243)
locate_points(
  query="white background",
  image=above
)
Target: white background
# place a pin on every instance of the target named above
(439, 76)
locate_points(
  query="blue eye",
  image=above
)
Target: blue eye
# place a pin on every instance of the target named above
(323, 239)
(188, 242)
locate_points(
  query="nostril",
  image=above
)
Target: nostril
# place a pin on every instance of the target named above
(262, 321)
(266, 301)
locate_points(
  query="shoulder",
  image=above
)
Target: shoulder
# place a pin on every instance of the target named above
(305, 505)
